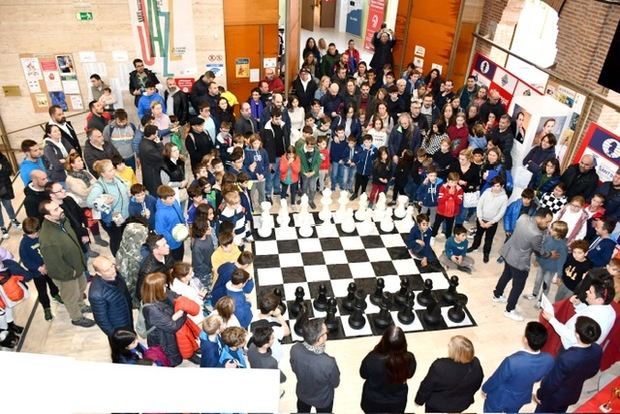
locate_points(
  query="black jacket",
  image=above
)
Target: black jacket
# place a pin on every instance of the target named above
(76, 217)
(578, 183)
(487, 107)
(6, 171)
(92, 154)
(383, 53)
(159, 314)
(244, 126)
(506, 141)
(377, 388)
(152, 265)
(305, 95)
(134, 83)
(71, 137)
(151, 159)
(32, 200)
(199, 91)
(198, 145)
(175, 171)
(111, 304)
(180, 105)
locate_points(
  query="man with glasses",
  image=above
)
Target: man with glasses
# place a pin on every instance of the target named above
(581, 179)
(109, 297)
(138, 79)
(417, 118)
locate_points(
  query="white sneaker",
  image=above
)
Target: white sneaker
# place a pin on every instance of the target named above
(501, 299)
(513, 315)
(529, 297)
(432, 242)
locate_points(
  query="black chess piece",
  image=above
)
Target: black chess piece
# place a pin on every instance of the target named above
(456, 313)
(282, 305)
(384, 317)
(320, 303)
(295, 307)
(356, 319)
(302, 317)
(347, 303)
(432, 316)
(450, 295)
(377, 297)
(407, 315)
(331, 321)
(425, 297)
(401, 296)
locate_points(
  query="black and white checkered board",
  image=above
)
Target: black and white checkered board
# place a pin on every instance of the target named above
(287, 260)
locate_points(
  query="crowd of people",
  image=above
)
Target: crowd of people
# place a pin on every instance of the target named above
(192, 172)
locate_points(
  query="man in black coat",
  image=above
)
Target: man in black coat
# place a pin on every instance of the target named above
(179, 102)
(197, 142)
(73, 213)
(383, 42)
(245, 125)
(109, 298)
(138, 79)
(35, 193)
(304, 88)
(493, 104)
(159, 260)
(96, 149)
(276, 139)
(57, 117)
(151, 159)
(200, 89)
(503, 134)
(581, 179)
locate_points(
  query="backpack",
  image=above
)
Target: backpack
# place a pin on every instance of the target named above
(141, 322)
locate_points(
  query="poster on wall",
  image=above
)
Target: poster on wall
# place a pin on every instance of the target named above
(52, 80)
(522, 120)
(354, 17)
(604, 146)
(32, 69)
(164, 35)
(242, 68)
(376, 15)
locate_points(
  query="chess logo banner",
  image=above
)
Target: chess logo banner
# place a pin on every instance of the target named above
(604, 146)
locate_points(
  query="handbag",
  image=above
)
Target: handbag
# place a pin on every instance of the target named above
(470, 200)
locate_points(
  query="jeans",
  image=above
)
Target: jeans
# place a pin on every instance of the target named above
(131, 162)
(489, 233)
(336, 176)
(464, 214)
(302, 407)
(518, 278)
(308, 187)
(348, 177)
(543, 279)
(258, 187)
(322, 177)
(272, 180)
(411, 188)
(293, 192)
(431, 211)
(8, 206)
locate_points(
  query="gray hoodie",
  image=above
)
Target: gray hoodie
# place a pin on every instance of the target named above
(492, 206)
(121, 138)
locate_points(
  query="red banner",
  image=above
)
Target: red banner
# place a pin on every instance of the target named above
(184, 84)
(376, 14)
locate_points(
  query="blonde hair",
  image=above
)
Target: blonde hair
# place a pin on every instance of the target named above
(211, 324)
(468, 153)
(461, 350)
(560, 228)
(100, 165)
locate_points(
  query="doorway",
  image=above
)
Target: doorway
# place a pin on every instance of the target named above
(309, 11)
(328, 13)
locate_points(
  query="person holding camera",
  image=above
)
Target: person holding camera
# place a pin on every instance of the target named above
(383, 41)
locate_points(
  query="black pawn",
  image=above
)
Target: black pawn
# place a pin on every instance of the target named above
(320, 303)
(296, 307)
(282, 305)
(425, 297)
(406, 315)
(456, 313)
(347, 303)
(450, 295)
(356, 319)
(302, 317)
(377, 297)
(401, 296)
(432, 316)
(331, 321)
(384, 317)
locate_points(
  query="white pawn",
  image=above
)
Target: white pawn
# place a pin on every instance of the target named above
(348, 224)
(366, 226)
(342, 207)
(401, 210)
(327, 196)
(283, 218)
(306, 229)
(362, 210)
(381, 202)
(265, 215)
(387, 224)
(325, 214)
(266, 222)
(407, 222)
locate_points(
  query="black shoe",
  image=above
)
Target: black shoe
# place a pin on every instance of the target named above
(268, 198)
(312, 205)
(194, 359)
(353, 197)
(84, 322)
(471, 249)
(10, 341)
(391, 203)
(485, 258)
(15, 328)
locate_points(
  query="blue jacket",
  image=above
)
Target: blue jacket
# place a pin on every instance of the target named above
(397, 135)
(452, 248)
(612, 202)
(144, 104)
(166, 217)
(261, 158)
(331, 103)
(428, 193)
(224, 273)
(477, 142)
(426, 250)
(209, 351)
(339, 151)
(602, 253)
(243, 308)
(536, 158)
(547, 264)
(510, 386)
(356, 127)
(499, 169)
(27, 166)
(547, 187)
(228, 355)
(512, 215)
(364, 159)
(111, 304)
(30, 255)
(135, 208)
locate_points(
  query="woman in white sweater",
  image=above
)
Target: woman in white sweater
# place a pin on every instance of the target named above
(491, 208)
(180, 281)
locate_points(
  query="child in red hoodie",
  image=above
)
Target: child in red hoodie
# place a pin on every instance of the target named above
(449, 204)
(325, 161)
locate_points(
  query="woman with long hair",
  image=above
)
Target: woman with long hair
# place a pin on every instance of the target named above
(126, 349)
(311, 48)
(311, 64)
(224, 112)
(448, 116)
(481, 97)
(296, 113)
(545, 179)
(539, 154)
(173, 171)
(322, 88)
(349, 119)
(361, 74)
(433, 81)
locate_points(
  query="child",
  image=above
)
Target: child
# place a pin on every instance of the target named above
(126, 349)
(259, 351)
(349, 168)
(478, 154)
(554, 200)
(235, 163)
(123, 171)
(217, 166)
(240, 282)
(574, 270)
(210, 342)
(325, 161)
(224, 140)
(443, 158)
(418, 173)
(33, 261)
(256, 163)
(201, 170)
(214, 196)
(225, 272)
(419, 240)
(244, 184)
(310, 160)
(602, 248)
(270, 314)
(195, 194)
(549, 268)
(364, 160)
(477, 139)
(432, 143)
(576, 218)
(232, 355)
(142, 204)
(428, 193)
(401, 174)
(490, 210)
(455, 252)
(202, 248)
(381, 174)
(290, 166)
(175, 136)
(233, 211)
(226, 252)
(168, 215)
(337, 156)
(516, 208)
(108, 100)
(378, 133)
(324, 128)
(449, 204)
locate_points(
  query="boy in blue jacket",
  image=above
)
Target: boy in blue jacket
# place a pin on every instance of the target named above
(349, 167)
(364, 161)
(455, 252)
(225, 272)
(419, 241)
(256, 164)
(210, 342)
(142, 204)
(30, 256)
(510, 386)
(516, 208)
(338, 154)
(240, 283)
(602, 248)
(428, 193)
(167, 216)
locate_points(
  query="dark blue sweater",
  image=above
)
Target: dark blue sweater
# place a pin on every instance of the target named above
(30, 255)
(135, 208)
(426, 250)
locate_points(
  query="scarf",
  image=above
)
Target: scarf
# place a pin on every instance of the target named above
(58, 145)
(318, 350)
(83, 175)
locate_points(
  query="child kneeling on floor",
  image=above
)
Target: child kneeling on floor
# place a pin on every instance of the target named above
(455, 252)
(419, 240)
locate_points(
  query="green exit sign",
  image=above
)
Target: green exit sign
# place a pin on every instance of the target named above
(84, 16)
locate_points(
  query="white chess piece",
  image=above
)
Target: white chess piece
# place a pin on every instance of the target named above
(325, 214)
(283, 218)
(367, 226)
(407, 223)
(341, 213)
(306, 229)
(362, 210)
(327, 196)
(387, 224)
(401, 210)
(265, 215)
(348, 223)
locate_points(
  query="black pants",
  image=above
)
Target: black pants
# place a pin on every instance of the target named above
(488, 233)
(178, 253)
(376, 407)
(399, 189)
(449, 224)
(302, 407)
(361, 181)
(41, 283)
(116, 235)
(285, 188)
(518, 278)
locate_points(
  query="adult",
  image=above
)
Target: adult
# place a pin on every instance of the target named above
(468, 92)
(132, 247)
(210, 124)
(158, 260)
(492, 104)
(404, 137)
(97, 85)
(109, 297)
(312, 65)
(277, 102)
(149, 96)
(433, 81)
(538, 155)
(469, 180)
(110, 196)
(198, 142)
(493, 167)
(546, 178)
(581, 178)
(450, 384)
(481, 97)
(526, 239)
(97, 149)
(383, 42)
(340, 77)
(332, 101)
(224, 112)
(317, 373)
(64, 261)
(275, 83)
(311, 48)
(276, 139)
(329, 60)
(364, 99)
(121, 134)
(245, 125)
(161, 121)
(138, 79)
(446, 95)
(429, 110)
(353, 56)
(419, 120)
(34, 194)
(173, 171)
(200, 89)
(304, 88)
(349, 120)
(97, 118)
(386, 370)
(503, 134)
(6, 195)
(212, 96)
(611, 191)
(151, 159)
(56, 151)
(458, 134)
(297, 115)
(57, 117)
(73, 213)
(177, 103)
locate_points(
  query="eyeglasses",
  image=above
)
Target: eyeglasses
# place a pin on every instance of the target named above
(62, 190)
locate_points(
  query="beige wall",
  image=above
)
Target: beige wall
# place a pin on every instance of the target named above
(41, 26)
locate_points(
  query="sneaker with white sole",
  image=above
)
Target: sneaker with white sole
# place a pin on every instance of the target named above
(501, 299)
(513, 315)
(529, 296)
(4, 233)
(432, 242)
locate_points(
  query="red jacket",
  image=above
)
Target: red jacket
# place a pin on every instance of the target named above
(449, 205)
(295, 168)
(459, 138)
(324, 159)
(275, 84)
(187, 336)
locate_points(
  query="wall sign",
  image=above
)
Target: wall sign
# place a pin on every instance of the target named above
(376, 15)
(604, 146)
